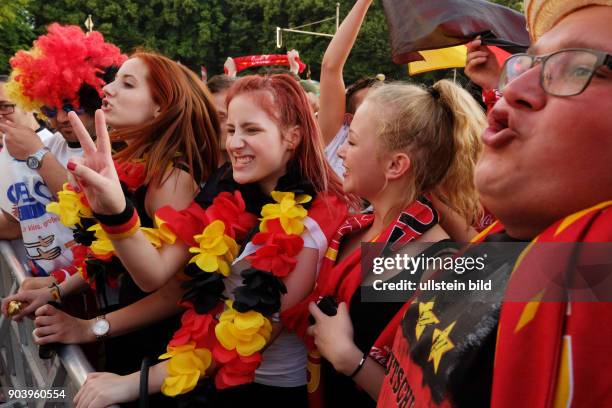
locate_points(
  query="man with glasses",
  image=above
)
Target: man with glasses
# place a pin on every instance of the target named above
(10, 111)
(546, 174)
(37, 166)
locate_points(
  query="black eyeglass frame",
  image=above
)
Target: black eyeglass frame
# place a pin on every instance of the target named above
(12, 107)
(603, 59)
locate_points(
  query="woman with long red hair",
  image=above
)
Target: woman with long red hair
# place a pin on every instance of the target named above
(242, 271)
(165, 118)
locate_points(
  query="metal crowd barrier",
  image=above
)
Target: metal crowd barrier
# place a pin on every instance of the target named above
(20, 367)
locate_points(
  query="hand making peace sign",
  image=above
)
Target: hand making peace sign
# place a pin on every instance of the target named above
(95, 171)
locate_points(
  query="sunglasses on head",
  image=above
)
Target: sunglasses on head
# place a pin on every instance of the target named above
(52, 112)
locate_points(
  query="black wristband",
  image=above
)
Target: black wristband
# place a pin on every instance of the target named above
(143, 394)
(360, 366)
(117, 219)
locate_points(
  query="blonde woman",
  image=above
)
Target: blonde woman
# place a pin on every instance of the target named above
(407, 145)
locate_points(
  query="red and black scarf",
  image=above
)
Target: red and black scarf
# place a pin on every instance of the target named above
(342, 280)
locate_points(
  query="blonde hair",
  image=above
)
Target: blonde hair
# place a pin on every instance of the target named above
(439, 128)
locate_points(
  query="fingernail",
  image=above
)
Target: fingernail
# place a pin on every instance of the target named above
(71, 166)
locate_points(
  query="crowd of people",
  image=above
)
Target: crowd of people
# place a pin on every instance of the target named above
(219, 228)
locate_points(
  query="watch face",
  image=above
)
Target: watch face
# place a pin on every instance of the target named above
(32, 162)
(100, 327)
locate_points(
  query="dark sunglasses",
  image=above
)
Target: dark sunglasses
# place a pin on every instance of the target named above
(52, 112)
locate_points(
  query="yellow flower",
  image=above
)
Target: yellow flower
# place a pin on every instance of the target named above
(187, 364)
(216, 251)
(102, 245)
(165, 234)
(247, 332)
(69, 207)
(288, 210)
(157, 236)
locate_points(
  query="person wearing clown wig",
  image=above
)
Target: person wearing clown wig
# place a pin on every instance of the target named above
(166, 118)
(64, 71)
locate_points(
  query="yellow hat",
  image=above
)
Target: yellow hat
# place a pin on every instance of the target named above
(542, 15)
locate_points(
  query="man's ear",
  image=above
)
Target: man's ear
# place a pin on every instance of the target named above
(398, 165)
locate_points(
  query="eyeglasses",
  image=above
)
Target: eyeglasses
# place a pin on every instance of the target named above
(7, 108)
(52, 112)
(564, 73)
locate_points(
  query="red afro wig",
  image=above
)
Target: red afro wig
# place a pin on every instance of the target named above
(64, 66)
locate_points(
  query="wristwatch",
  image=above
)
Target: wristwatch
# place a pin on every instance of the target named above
(100, 327)
(34, 161)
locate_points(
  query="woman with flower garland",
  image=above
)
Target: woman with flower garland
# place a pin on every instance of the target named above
(406, 146)
(278, 173)
(158, 108)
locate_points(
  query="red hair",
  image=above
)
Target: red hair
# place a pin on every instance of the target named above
(60, 63)
(284, 100)
(186, 131)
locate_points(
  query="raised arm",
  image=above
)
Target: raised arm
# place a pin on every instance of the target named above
(22, 142)
(150, 268)
(482, 66)
(332, 100)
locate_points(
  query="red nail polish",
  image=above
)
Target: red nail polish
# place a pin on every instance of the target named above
(71, 166)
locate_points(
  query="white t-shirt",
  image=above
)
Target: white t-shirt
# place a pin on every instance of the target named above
(284, 361)
(331, 150)
(45, 134)
(46, 240)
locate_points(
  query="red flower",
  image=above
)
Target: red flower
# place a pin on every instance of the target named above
(185, 223)
(195, 327)
(79, 254)
(277, 255)
(231, 209)
(131, 173)
(235, 369)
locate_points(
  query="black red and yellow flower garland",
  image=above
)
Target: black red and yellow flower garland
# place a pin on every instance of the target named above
(234, 340)
(93, 254)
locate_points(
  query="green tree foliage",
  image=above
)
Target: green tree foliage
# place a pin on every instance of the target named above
(186, 30)
(197, 32)
(16, 30)
(371, 54)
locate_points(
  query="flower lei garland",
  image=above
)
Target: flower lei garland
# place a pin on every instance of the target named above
(93, 256)
(233, 341)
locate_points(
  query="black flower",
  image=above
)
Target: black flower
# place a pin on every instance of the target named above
(261, 292)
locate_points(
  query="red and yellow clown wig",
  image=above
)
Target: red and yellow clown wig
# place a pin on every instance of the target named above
(64, 66)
